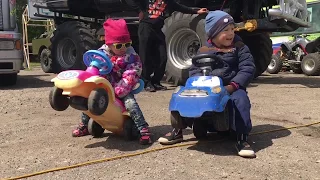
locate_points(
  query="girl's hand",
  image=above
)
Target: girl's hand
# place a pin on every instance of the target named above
(202, 11)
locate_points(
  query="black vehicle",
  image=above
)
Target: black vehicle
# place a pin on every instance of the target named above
(79, 28)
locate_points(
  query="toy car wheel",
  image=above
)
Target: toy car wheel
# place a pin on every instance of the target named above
(222, 121)
(130, 131)
(95, 129)
(199, 129)
(79, 103)
(58, 101)
(98, 101)
(176, 120)
(231, 134)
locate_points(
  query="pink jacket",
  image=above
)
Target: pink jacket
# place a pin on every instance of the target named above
(126, 71)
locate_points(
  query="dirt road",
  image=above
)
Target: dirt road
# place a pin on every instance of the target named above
(34, 137)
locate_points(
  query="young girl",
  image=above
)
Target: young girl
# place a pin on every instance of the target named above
(124, 76)
(236, 71)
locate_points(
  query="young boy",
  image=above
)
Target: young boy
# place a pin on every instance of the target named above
(123, 77)
(152, 43)
(236, 72)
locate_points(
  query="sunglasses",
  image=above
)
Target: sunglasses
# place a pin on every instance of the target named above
(122, 45)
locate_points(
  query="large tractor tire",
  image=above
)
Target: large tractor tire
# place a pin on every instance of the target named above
(70, 41)
(185, 34)
(260, 46)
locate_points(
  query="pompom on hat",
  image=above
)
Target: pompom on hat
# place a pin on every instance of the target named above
(216, 21)
(116, 31)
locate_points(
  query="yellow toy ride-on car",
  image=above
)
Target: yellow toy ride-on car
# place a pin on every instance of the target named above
(92, 94)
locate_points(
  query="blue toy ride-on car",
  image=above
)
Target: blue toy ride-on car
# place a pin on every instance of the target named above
(203, 103)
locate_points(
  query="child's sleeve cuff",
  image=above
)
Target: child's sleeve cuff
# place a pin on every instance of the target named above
(234, 85)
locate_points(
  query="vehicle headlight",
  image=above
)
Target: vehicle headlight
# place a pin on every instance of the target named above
(177, 89)
(216, 90)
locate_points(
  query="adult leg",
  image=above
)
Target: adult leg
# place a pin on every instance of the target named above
(145, 48)
(161, 63)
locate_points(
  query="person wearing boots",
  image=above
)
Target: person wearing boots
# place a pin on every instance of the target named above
(152, 43)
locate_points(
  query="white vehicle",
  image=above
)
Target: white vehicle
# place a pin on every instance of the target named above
(11, 57)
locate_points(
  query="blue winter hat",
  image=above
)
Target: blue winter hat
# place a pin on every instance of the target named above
(216, 21)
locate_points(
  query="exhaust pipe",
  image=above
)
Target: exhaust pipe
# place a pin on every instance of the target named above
(284, 15)
(12, 7)
(287, 11)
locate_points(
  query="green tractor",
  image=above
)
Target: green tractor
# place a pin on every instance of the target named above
(40, 48)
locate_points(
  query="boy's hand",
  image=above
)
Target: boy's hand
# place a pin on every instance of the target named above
(230, 89)
(202, 11)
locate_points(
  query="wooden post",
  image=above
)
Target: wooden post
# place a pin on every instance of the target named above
(25, 21)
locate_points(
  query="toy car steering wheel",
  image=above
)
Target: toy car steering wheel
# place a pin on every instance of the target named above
(202, 60)
(98, 59)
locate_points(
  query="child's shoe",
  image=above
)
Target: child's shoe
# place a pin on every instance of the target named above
(243, 147)
(145, 137)
(173, 137)
(82, 130)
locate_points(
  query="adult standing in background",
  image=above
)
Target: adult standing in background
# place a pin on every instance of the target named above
(152, 43)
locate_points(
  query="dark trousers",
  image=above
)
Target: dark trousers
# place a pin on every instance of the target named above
(152, 52)
(241, 105)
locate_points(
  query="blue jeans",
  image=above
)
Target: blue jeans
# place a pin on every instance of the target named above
(132, 107)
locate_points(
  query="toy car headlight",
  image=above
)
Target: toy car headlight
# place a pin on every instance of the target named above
(177, 89)
(216, 89)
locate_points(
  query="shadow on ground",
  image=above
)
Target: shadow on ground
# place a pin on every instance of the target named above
(214, 144)
(224, 146)
(29, 81)
(117, 142)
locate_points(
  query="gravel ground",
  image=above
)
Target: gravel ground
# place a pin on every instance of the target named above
(34, 137)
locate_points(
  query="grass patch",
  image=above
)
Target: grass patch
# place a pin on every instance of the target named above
(32, 66)
(35, 64)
